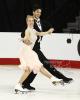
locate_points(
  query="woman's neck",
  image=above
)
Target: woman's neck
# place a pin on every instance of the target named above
(30, 27)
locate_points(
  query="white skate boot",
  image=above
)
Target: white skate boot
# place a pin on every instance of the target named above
(57, 81)
(18, 88)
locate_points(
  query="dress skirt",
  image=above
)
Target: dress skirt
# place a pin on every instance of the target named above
(29, 59)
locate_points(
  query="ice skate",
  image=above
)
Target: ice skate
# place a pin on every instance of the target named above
(68, 80)
(57, 81)
(18, 88)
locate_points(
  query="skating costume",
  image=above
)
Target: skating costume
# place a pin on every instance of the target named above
(28, 57)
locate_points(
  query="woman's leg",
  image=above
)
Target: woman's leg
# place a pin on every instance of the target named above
(49, 75)
(18, 86)
(24, 76)
(45, 72)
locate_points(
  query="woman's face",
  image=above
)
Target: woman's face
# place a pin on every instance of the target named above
(30, 22)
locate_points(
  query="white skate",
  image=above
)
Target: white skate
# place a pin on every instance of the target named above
(57, 81)
(18, 88)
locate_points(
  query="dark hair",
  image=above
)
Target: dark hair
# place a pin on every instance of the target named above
(35, 7)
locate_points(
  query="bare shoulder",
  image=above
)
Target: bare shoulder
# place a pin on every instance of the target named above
(35, 31)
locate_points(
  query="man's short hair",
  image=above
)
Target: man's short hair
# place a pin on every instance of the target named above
(35, 7)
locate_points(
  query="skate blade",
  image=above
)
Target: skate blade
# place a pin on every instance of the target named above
(58, 82)
(18, 91)
(22, 92)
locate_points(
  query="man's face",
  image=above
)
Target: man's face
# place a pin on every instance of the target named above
(37, 13)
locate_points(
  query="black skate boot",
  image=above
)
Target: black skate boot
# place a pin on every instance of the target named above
(28, 87)
(68, 80)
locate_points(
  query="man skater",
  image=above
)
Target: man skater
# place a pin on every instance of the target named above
(42, 25)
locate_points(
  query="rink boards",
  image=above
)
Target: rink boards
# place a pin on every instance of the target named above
(60, 49)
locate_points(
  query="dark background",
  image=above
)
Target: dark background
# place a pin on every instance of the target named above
(57, 12)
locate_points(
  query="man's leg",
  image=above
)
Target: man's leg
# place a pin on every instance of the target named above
(51, 68)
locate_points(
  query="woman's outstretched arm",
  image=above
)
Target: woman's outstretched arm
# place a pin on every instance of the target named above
(44, 33)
